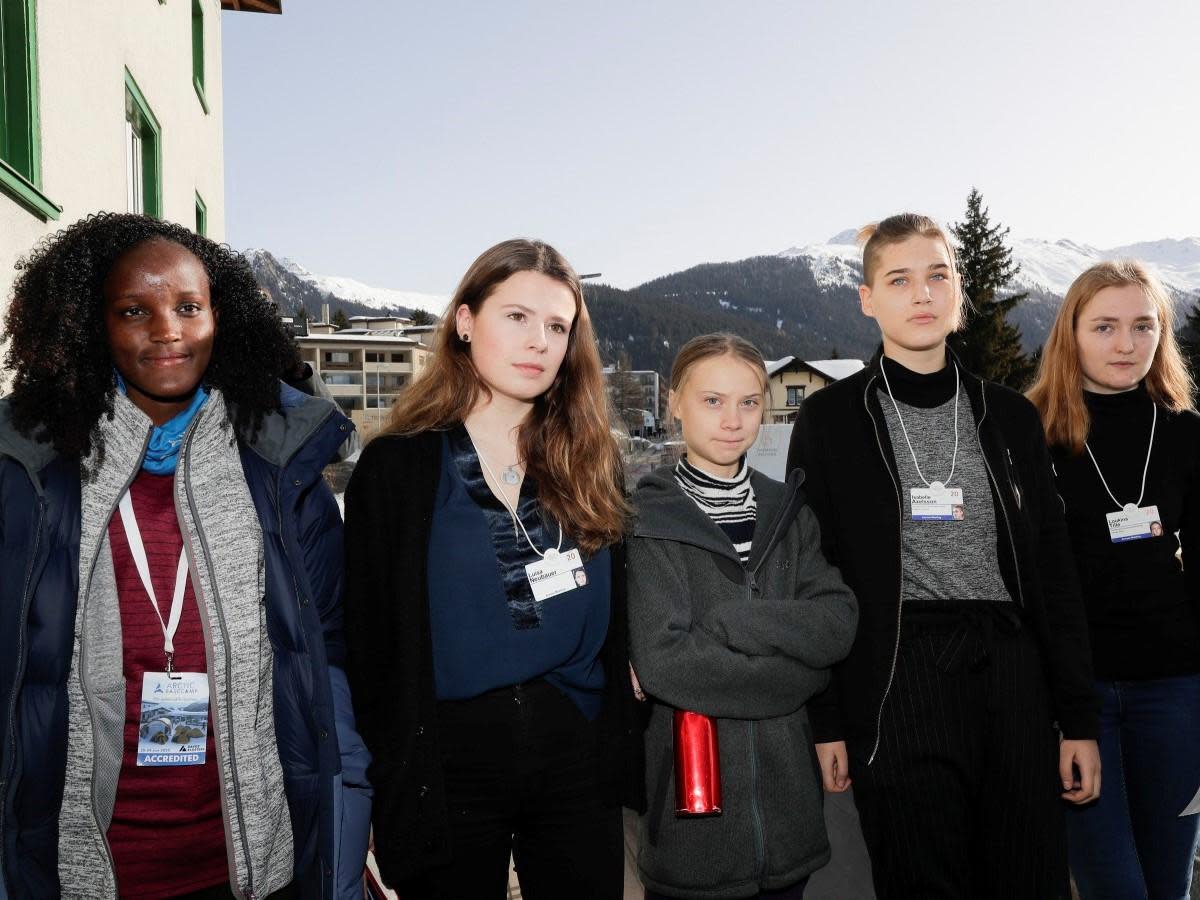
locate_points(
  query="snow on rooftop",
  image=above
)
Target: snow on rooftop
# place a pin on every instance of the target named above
(837, 369)
(830, 368)
(774, 365)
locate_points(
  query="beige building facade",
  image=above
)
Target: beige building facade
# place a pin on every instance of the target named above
(364, 372)
(118, 107)
(791, 380)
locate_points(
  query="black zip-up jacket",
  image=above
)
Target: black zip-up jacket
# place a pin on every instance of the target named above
(389, 657)
(841, 441)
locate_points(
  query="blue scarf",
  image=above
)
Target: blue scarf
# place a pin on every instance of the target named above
(166, 439)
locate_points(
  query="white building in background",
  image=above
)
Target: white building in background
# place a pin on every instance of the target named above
(110, 105)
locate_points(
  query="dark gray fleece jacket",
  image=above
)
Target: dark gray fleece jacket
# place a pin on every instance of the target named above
(748, 645)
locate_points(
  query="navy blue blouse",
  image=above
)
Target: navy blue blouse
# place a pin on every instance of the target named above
(488, 631)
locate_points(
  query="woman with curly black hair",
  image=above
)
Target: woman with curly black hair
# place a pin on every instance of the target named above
(177, 721)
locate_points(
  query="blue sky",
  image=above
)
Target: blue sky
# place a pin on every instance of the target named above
(393, 141)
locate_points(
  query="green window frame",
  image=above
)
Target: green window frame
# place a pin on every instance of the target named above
(198, 52)
(143, 148)
(201, 216)
(20, 125)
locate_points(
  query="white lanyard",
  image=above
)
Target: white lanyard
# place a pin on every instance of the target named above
(138, 549)
(516, 518)
(895, 406)
(1145, 469)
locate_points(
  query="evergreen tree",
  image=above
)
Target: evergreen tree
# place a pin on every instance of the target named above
(339, 320)
(301, 316)
(988, 344)
(422, 317)
(1189, 339)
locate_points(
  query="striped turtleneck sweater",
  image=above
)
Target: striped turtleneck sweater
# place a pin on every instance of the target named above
(729, 502)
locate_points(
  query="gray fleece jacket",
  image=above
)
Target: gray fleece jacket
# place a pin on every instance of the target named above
(219, 521)
(748, 645)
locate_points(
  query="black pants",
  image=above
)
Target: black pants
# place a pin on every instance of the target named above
(521, 777)
(963, 798)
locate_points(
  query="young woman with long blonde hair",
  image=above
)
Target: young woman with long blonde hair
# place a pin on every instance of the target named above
(491, 681)
(1116, 400)
(936, 501)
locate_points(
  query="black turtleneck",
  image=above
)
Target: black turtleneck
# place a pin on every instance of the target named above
(1143, 613)
(915, 389)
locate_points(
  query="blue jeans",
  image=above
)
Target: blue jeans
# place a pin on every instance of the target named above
(1132, 842)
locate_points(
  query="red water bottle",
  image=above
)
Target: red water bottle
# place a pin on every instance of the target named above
(697, 765)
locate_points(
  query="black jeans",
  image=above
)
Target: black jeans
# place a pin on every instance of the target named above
(963, 798)
(522, 778)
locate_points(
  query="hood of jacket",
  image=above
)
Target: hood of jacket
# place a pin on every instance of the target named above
(665, 512)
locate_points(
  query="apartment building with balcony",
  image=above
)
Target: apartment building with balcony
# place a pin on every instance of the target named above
(364, 371)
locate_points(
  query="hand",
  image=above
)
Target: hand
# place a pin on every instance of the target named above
(1084, 756)
(637, 685)
(835, 766)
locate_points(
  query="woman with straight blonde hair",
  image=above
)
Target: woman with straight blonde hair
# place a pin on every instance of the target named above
(1116, 399)
(492, 680)
(964, 711)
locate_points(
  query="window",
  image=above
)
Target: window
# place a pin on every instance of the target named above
(20, 148)
(201, 216)
(341, 378)
(375, 357)
(795, 396)
(337, 357)
(399, 357)
(143, 152)
(198, 52)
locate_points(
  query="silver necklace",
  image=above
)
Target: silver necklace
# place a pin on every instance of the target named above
(509, 476)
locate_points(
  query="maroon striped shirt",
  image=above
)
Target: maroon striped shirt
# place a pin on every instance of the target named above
(167, 835)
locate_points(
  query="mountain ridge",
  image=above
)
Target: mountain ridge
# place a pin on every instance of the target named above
(802, 301)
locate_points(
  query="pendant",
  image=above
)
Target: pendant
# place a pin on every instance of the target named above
(511, 476)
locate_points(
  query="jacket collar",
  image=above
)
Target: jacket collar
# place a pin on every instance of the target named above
(299, 420)
(972, 383)
(665, 512)
(33, 454)
(283, 433)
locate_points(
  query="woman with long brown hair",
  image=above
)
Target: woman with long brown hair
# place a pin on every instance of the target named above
(492, 681)
(1116, 400)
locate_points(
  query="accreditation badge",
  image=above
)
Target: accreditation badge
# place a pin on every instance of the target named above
(556, 573)
(937, 504)
(1134, 523)
(174, 724)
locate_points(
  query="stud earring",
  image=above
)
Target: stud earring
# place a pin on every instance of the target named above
(465, 337)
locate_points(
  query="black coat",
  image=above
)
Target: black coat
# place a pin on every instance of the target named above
(841, 441)
(389, 513)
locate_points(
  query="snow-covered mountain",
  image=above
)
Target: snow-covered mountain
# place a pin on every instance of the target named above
(339, 288)
(1047, 267)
